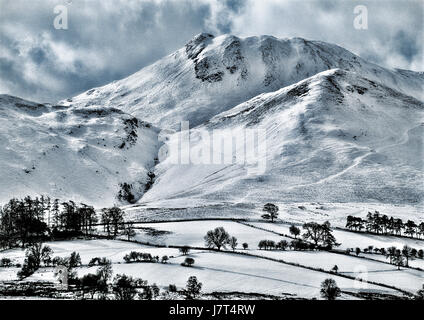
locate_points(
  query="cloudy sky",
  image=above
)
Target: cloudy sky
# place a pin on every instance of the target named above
(108, 40)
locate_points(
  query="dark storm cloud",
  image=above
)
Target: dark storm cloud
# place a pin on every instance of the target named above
(110, 39)
(405, 45)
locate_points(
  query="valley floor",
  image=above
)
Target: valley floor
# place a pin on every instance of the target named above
(284, 274)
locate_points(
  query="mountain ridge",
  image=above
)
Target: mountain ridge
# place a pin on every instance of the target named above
(213, 74)
(322, 122)
(83, 154)
(318, 131)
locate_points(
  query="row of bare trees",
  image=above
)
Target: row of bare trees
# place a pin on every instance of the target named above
(315, 236)
(29, 220)
(383, 224)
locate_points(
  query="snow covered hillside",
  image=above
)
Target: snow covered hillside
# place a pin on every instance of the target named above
(338, 129)
(85, 154)
(213, 74)
(334, 137)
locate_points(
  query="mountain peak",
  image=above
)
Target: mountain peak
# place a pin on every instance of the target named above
(197, 44)
(326, 110)
(213, 74)
(201, 37)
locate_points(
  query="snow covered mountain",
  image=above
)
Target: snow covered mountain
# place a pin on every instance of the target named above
(334, 137)
(86, 154)
(338, 129)
(213, 74)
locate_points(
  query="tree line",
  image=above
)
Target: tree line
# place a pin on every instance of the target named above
(398, 257)
(373, 223)
(29, 220)
(383, 224)
(315, 236)
(102, 286)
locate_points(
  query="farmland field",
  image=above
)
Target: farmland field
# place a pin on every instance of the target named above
(220, 272)
(348, 239)
(191, 233)
(246, 270)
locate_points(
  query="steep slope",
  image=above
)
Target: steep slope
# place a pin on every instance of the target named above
(213, 74)
(334, 137)
(85, 154)
(338, 129)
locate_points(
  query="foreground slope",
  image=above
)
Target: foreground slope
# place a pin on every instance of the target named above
(84, 154)
(213, 74)
(334, 137)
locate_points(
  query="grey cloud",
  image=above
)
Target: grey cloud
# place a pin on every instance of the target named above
(405, 45)
(108, 40)
(394, 36)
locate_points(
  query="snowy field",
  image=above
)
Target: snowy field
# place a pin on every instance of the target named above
(299, 212)
(415, 263)
(214, 267)
(191, 233)
(222, 272)
(407, 279)
(228, 271)
(349, 239)
(9, 274)
(113, 250)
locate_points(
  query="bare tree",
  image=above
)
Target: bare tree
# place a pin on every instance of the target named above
(217, 238)
(233, 243)
(193, 287)
(184, 250)
(294, 231)
(271, 212)
(329, 289)
(129, 231)
(408, 254)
